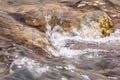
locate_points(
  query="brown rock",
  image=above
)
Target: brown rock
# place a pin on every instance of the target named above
(34, 15)
(4, 6)
(70, 20)
(26, 35)
(21, 2)
(96, 23)
(111, 7)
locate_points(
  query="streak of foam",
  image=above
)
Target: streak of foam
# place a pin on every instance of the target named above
(114, 37)
(73, 53)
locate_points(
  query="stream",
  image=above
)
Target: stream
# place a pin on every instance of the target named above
(82, 55)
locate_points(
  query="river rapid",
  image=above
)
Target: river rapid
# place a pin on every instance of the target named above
(83, 55)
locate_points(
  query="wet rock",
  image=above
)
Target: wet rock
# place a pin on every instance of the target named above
(5, 60)
(98, 22)
(21, 2)
(70, 3)
(109, 6)
(52, 14)
(22, 34)
(20, 75)
(94, 59)
(53, 71)
(113, 74)
(4, 6)
(29, 2)
(108, 63)
(68, 75)
(19, 39)
(70, 20)
(11, 48)
(3, 68)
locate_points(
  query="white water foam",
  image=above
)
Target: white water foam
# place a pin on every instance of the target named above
(73, 53)
(59, 39)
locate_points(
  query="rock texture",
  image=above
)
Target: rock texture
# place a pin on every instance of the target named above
(28, 36)
(52, 14)
(4, 6)
(70, 20)
(98, 22)
(109, 6)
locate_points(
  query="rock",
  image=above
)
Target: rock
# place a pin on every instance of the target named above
(3, 68)
(108, 63)
(25, 35)
(35, 15)
(98, 22)
(54, 75)
(113, 74)
(70, 20)
(31, 2)
(111, 7)
(54, 71)
(20, 75)
(70, 3)
(4, 6)
(21, 2)
(92, 75)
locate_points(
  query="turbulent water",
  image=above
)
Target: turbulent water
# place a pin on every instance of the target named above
(73, 52)
(82, 55)
(65, 42)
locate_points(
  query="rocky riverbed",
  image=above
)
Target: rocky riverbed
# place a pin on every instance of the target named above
(59, 40)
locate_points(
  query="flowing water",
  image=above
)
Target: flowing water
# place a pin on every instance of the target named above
(83, 55)
(74, 52)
